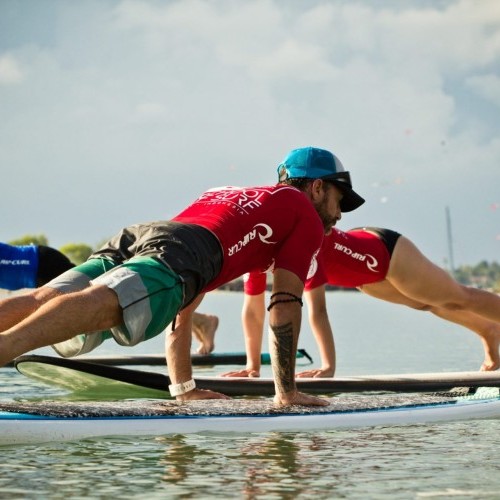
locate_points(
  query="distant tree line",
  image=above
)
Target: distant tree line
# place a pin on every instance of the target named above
(76, 252)
(483, 275)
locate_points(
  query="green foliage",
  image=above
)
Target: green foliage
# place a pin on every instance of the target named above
(482, 275)
(30, 239)
(76, 252)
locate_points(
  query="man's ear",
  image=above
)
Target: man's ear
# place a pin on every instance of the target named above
(317, 189)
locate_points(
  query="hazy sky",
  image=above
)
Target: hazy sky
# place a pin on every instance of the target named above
(115, 112)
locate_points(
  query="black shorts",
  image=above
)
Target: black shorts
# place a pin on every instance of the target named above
(51, 263)
(192, 252)
(387, 236)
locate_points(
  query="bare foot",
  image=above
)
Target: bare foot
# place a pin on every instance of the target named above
(201, 394)
(299, 398)
(491, 345)
(204, 328)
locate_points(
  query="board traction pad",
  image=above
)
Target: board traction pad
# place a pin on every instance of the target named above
(234, 407)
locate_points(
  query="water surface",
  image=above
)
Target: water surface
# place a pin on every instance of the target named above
(452, 460)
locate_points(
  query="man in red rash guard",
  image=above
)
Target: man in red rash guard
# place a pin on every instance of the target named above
(386, 265)
(150, 275)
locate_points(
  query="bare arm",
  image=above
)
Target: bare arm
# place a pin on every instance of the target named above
(178, 354)
(284, 326)
(252, 318)
(322, 330)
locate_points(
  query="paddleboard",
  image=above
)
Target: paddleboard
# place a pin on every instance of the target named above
(213, 359)
(37, 422)
(107, 382)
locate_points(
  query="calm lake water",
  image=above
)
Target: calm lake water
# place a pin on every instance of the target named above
(453, 460)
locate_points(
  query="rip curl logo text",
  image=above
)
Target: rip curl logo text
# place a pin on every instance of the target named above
(246, 199)
(370, 260)
(14, 262)
(263, 231)
(243, 199)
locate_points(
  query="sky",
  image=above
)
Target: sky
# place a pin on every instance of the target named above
(114, 112)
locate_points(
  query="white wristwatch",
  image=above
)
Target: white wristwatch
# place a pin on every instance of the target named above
(182, 388)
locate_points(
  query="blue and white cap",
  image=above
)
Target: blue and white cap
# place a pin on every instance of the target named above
(315, 163)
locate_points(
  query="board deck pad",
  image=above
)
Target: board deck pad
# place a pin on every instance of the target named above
(234, 407)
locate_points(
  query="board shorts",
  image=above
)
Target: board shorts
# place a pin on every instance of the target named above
(150, 291)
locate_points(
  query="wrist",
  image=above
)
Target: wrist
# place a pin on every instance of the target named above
(182, 388)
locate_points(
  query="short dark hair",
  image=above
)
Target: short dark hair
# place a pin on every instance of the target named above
(300, 183)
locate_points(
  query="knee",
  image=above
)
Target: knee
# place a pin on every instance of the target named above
(100, 296)
(105, 304)
(453, 306)
(464, 300)
(422, 307)
(98, 302)
(45, 293)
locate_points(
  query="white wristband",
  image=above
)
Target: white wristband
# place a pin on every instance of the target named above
(182, 388)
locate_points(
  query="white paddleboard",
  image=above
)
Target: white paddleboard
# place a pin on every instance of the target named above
(27, 423)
